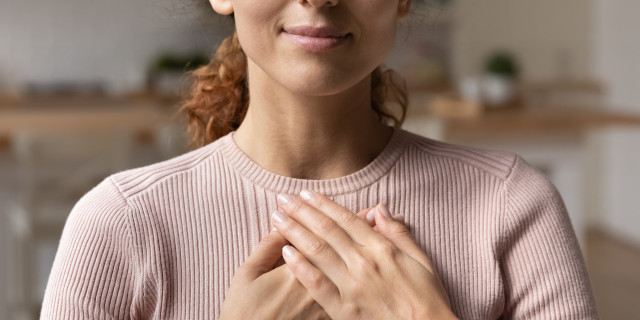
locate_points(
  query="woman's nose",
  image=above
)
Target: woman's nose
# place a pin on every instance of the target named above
(319, 3)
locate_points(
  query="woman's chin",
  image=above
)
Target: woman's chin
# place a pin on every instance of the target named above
(320, 86)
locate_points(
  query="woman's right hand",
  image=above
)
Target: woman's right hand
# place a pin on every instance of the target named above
(260, 291)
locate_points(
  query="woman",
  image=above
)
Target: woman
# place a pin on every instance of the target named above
(291, 119)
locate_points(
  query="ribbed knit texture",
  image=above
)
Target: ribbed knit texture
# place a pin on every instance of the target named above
(163, 241)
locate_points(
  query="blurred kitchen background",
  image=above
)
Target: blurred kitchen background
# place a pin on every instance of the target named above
(88, 88)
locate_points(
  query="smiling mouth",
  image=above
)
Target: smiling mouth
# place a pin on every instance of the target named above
(316, 39)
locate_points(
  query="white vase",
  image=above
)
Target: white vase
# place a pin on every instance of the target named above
(497, 90)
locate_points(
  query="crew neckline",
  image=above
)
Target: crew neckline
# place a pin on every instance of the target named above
(355, 181)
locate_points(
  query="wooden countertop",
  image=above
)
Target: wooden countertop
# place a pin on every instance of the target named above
(86, 114)
(527, 121)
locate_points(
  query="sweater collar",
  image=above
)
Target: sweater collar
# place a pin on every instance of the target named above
(353, 182)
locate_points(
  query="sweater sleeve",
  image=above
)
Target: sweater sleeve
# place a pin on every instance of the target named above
(93, 274)
(544, 273)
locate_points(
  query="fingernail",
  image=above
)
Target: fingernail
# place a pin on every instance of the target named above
(284, 199)
(371, 215)
(383, 209)
(274, 229)
(287, 251)
(306, 195)
(279, 217)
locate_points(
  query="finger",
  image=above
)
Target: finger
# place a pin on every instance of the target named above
(265, 256)
(368, 215)
(321, 225)
(320, 287)
(399, 235)
(399, 218)
(316, 249)
(357, 229)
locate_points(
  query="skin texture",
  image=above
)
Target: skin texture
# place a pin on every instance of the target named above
(264, 288)
(354, 272)
(310, 117)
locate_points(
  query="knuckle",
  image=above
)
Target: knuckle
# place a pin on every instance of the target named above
(346, 218)
(317, 247)
(320, 203)
(352, 310)
(296, 207)
(326, 226)
(367, 265)
(386, 249)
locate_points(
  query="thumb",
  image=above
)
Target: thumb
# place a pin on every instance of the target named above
(364, 216)
(399, 235)
(265, 256)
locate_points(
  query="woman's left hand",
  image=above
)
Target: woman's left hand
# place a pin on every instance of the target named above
(354, 272)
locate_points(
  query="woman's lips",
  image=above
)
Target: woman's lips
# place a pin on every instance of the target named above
(316, 39)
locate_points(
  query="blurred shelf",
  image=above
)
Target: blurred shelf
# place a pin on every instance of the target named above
(526, 121)
(590, 86)
(65, 113)
(536, 121)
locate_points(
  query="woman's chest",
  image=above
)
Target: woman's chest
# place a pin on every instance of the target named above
(200, 249)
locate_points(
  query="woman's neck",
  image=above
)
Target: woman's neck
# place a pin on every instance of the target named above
(311, 137)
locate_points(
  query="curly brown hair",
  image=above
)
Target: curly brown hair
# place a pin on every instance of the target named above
(218, 98)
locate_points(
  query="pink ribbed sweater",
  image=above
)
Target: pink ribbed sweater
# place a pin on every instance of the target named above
(163, 241)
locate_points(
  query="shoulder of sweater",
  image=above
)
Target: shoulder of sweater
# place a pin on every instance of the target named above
(103, 209)
(134, 181)
(496, 163)
(528, 186)
(527, 191)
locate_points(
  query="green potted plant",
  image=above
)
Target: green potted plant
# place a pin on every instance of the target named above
(500, 76)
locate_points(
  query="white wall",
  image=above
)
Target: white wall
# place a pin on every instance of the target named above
(616, 48)
(90, 40)
(550, 37)
(619, 184)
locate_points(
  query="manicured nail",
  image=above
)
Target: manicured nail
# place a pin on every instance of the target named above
(279, 217)
(371, 215)
(285, 199)
(287, 251)
(383, 209)
(306, 195)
